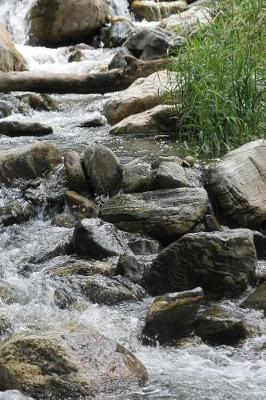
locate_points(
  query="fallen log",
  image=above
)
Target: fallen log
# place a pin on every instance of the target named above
(97, 82)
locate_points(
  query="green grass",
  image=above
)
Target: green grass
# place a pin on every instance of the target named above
(220, 79)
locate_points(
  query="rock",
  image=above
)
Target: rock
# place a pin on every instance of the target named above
(97, 239)
(170, 175)
(10, 58)
(40, 101)
(156, 163)
(75, 175)
(10, 294)
(156, 121)
(142, 245)
(171, 316)
(28, 162)
(15, 211)
(64, 220)
(94, 121)
(238, 186)
(131, 267)
(222, 263)
(5, 109)
(103, 170)
(66, 21)
(117, 33)
(143, 94)
(138, 177)
(63, 299)
(151, 43)
(188, 162)
(5, 326)
(110, 291)
(163, 214)
(86, 268)
(67, 365)
(256, 299)
(217, 326)
(188, 21)
(155, 11)
(80, 206)
(16, 128)
(120, 59)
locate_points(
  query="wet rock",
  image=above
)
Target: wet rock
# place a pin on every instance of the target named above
(171, 316)
(218, 326)
(5, 109)
(11, 294)
(63, 299)
(120, 59)
(86, 268)
(150, 43)
(40, 102)
(5, 326)
(94, 121)
(142, 95)
(15, 211)
(238, 185)
(163, 214)
(155, 11)
(75, 175)
(222, 263)
(66, 21)
(80, 206)
(143, 246)
(131, 267)
(16, 129)
(156, 121)
(28, 162)
(110, 291)
(64, 220)
(66, 365)
(103, 170)
(97, 239)
(117, 33)
(260, 244)
(170, 175)
(257, 299)
(10, 58)
(138, 177)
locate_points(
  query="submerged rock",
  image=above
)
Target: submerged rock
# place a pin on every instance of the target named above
(10, 58)
(28, 162)
(16, 129)
(103, 170)
(163, 214)
(257, 299)
(171, 316)
(222, 263)
(65, 365)
(97, 239)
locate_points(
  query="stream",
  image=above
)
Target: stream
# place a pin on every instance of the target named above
(193, 370)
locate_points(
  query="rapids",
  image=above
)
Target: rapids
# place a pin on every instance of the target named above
(191, 371)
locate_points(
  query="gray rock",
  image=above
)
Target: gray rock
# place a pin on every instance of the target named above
(218, 326)
(86, 268)
(16, 128)
(67, 365)
(110, 291)
(131, 267)
(222, 263)
(170, 175)
(97, 239)
(75, 175)
(257, 299)
(63, 299)
(39, 101)
(120, 59)
(171, 316)
(94, 121)
(138, 177)
(117, 33)
(5, 326)
(103, 170)
(163, 214)
(80, 206)
(5, 109)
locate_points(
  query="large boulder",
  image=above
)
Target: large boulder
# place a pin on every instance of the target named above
(238, 185)
(67, 365)
(10, 58)
(67, 21)
(28, 162)
(171, 316)
(156, 10)
(222, 263)
(102, 169)
(164, 214)
(143, 94)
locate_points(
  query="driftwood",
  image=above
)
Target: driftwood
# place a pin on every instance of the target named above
(98, 82)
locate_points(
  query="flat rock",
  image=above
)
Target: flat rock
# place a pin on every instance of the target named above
(17, 128)
(163, 214)
(222, 263)
(86, 268)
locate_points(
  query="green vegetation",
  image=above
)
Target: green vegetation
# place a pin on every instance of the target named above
(221, 73)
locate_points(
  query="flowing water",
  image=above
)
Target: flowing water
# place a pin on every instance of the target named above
(191, 371)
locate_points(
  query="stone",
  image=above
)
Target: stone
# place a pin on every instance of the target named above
(143, 245)
(120, 59)
(117, 33)
(40, 101)
(67, 21)
(110, 291)
(10, 294)
(75, 174)
(138, 177)
(5, 109)
(5, 326)
(63, 299)
(86, 268)
(170, 175)
(81, 207)
(64, 220)
(162, 214)
(222, 263)
(28, 162)
(155, 121)
(257, 299)
(97, 239)
(103, 170)
(154, 11)
(94, 121)
(131, 267)
(218, 326)
(171, 316)
(10, 58)
(17, 128)
(142, 95)
(237, 185)
(15, 211)
(67, 365)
